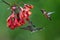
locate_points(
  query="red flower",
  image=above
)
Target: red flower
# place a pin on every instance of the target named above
(17, 20)
(13, 22)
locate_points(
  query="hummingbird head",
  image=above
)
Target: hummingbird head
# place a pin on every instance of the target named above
(43, 11)
(13, 7)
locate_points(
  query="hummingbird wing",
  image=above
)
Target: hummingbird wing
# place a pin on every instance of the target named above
(49, 13)
(26, 28)
(31, 24)
(39, 28)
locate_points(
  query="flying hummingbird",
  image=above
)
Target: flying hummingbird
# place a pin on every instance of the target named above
(31, 28)
(47, 14)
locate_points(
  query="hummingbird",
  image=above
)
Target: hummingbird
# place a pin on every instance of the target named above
(47, 14)
(31, 28)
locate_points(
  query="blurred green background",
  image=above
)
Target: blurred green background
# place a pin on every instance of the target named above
(52, 28)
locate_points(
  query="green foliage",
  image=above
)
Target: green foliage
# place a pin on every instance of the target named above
(52, 28)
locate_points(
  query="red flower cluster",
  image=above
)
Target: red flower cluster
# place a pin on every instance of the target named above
(18, 19)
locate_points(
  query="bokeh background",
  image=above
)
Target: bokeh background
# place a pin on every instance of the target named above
(52, 28)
